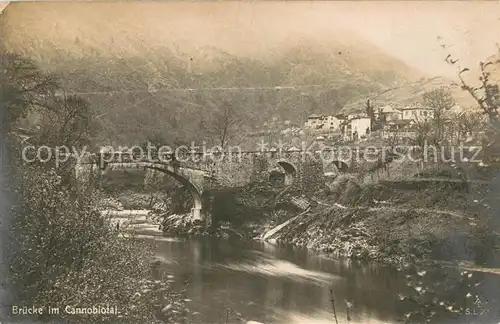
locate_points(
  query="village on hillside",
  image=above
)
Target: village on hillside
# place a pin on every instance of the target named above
(381, 123)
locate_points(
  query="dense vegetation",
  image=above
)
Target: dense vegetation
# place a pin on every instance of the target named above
(61, 250)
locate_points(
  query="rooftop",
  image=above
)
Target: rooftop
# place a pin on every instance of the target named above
(399, 122)
(415, 107)
(359, 117)
(389, 109)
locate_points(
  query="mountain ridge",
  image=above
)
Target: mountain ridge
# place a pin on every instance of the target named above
(115, 71)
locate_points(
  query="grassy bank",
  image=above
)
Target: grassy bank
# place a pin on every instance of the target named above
(401, 221)
(389, 234)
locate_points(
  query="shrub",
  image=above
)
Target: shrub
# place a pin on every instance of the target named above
(348, 191)
(67, 254)
(338, 186)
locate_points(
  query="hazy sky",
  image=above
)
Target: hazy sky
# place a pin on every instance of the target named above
(408, 30)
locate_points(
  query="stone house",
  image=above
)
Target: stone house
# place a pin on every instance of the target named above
(322, 122)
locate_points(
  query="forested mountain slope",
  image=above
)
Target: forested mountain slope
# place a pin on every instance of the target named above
(136, 73)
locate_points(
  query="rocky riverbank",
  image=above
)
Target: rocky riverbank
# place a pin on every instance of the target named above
(387, 234)
(399, 222)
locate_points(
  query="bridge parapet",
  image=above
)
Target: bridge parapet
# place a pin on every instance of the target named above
(238, 167)
(206, 159)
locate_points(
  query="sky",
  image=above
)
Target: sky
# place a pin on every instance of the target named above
(409, 30)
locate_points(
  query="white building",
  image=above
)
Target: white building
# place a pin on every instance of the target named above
(417, 112)
(331, 123)
(356, 127)
(360, 126)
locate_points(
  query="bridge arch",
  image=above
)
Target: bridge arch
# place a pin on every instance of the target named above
(195, 192)
(342, 167)
(290, 172)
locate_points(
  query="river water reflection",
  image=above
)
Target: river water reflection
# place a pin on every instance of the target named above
(233, 281)
(277, 284)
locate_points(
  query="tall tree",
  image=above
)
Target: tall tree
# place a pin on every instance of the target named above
(22, 88)
(469, 122)
(67, 121)
(224, 123)
(370, 112)
(440, 101)
(487, 95)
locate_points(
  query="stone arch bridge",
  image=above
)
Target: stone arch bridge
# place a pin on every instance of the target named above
(202, 172)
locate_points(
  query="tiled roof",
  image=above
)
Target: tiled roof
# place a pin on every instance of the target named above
(388, 109)
(399, 122)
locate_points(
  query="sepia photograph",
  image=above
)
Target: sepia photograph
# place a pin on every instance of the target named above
(250, 162)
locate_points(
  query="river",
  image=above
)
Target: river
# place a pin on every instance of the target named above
(233, 281)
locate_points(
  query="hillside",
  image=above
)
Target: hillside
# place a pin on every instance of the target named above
(409, 93)
(114, 61)
(412, 91)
